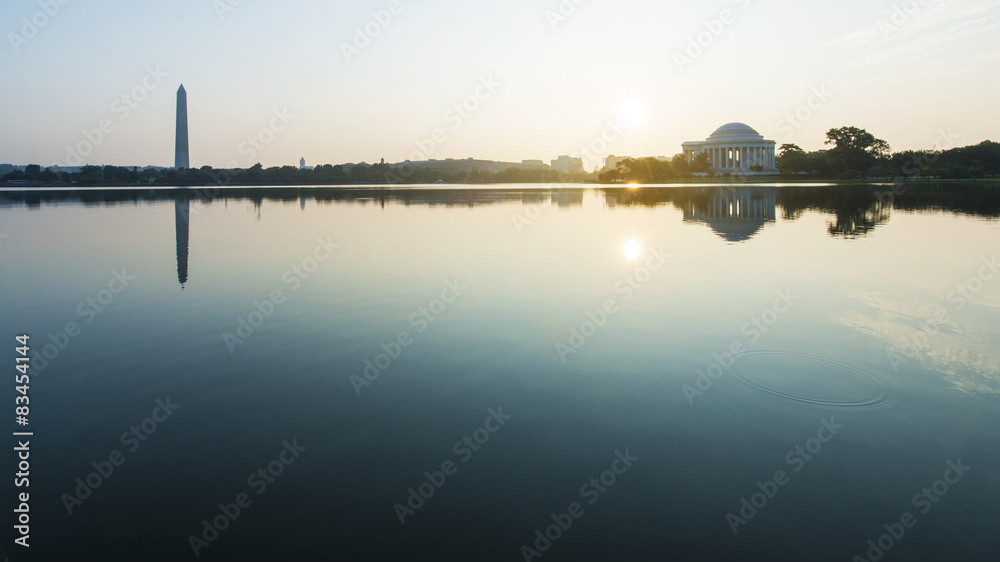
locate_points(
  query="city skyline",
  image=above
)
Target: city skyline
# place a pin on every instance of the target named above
(511, 92)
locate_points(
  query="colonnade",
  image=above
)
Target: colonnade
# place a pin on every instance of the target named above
(738, 157)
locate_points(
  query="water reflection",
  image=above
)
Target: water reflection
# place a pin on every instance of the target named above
(860, 310)
(182, 225)
(567, 198)
(736, 213)
(861, 221)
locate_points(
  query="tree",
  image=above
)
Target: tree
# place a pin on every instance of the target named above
(701, 163)
(792, 159)
(645, 170)
(856, 148)
(680, 166)
(255, 173)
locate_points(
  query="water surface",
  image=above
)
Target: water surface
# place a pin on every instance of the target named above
(710, 336)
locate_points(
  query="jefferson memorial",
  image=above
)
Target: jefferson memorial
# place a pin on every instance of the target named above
(735, 148)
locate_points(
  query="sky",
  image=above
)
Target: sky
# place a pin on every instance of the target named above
(336, 81)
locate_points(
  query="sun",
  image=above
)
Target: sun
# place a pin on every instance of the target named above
(632, 249)
(631, 114)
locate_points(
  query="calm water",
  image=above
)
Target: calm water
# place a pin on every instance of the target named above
(803, 365)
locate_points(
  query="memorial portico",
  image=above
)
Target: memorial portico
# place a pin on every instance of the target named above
(735, 148)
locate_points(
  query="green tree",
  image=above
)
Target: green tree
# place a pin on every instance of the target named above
(701, 163)
(792, 159)
(857, 149)
(680, 167)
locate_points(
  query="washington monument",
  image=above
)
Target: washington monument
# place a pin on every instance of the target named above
(181, 156)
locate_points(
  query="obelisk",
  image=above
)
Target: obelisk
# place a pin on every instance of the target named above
(181, 156)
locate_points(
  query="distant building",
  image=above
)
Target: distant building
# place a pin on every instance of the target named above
(611, 162)
(77, 169)
(302, 165)
(735, 148)
(568, 165)
(471, 166)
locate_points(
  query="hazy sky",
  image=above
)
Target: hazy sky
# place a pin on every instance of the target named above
(631, 71)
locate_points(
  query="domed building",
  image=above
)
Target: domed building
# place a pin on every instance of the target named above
(735, 148)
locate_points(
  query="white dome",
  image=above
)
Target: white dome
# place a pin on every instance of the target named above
(733, 131)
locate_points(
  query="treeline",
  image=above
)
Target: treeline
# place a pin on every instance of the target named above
(857, 154)
(654, 170)
(284, 175)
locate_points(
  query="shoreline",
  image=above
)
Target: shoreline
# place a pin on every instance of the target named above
(772, 181)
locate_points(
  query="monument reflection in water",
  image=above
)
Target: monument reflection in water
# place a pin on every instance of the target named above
(734, 213)
(182, 225)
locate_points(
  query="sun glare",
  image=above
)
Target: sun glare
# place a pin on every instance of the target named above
(632, 249)
(631, 114)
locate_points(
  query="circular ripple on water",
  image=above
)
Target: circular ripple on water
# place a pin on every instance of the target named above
(811, 379)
